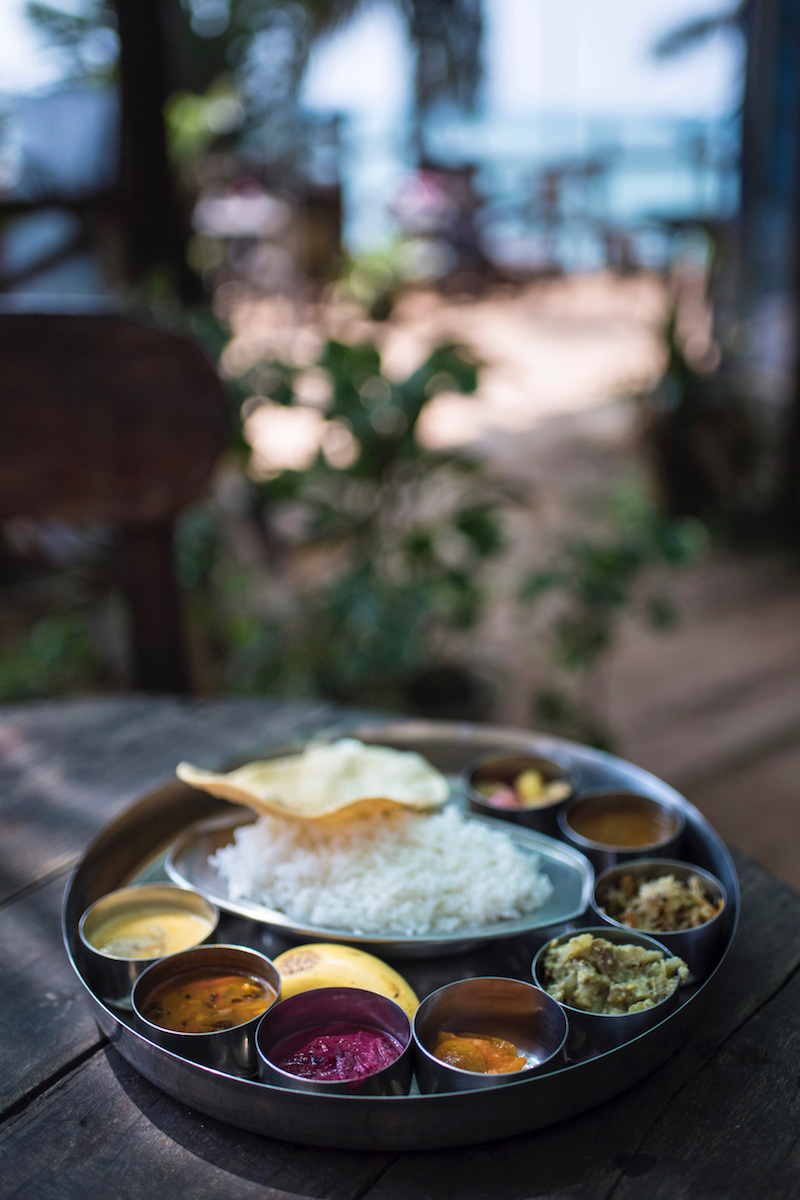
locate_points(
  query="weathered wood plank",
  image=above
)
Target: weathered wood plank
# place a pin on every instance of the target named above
(45, 1022)
(725, 734)
(723, 684)
(66, 770)
(101, 1130)
(586, 1157)
(756, 807)
(104, 1132)
(736, 1124)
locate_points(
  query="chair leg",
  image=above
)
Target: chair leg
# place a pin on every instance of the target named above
(158, 659)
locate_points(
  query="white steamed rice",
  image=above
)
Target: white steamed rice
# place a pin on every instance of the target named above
(406, 874)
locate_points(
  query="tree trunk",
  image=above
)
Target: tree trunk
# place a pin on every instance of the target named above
(771, 221)
(156, 231)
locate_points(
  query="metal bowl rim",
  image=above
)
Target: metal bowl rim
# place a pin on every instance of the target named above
(585, 843)
(566, 766)
(601, 931)
(511, 1076)
(168, 885)
(631, 866)
(210, 1033)
(325, 1083)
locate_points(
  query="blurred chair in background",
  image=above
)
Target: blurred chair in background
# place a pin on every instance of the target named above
(106, 417)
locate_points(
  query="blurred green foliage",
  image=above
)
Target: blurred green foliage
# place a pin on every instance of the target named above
(591, 583)
(705, 441)
(401, 533)
(56, 657)
(373, 279)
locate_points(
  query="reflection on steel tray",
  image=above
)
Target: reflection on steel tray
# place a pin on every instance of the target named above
(134, 847)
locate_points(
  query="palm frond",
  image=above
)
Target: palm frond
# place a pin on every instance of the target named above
(694, 33)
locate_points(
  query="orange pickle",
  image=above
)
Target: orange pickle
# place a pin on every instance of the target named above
(478, 1052)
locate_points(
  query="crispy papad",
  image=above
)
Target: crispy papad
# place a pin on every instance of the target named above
(336, 781)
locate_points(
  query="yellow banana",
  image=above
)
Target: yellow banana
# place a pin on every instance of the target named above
(327, 964)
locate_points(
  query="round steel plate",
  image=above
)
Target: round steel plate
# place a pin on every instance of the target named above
(134, 847)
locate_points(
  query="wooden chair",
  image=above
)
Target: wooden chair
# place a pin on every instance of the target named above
(107, 417)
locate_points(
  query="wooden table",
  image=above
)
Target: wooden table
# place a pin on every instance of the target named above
(719, 1119)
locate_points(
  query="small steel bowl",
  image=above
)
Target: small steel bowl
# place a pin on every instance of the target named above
(496, 1007)
(298, 1017)
(229, 1050)
(596, 1032)
(505, 768)
(700, 946)
(111, 976)
(603, 855)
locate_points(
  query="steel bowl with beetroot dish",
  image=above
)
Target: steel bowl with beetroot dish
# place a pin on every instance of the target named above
(336, 1040)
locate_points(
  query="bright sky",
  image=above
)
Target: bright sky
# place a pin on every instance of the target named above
(543, 54)
(539, 54)
(24, 66)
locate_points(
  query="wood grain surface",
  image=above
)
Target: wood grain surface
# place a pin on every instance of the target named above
(718, 1119)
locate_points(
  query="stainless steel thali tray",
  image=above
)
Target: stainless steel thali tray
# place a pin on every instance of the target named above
(134, 847)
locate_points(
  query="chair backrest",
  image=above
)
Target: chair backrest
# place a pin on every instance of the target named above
(107, 416)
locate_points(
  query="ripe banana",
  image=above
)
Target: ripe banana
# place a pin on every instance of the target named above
(327, 964)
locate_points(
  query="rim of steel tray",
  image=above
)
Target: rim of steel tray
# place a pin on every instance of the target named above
(134, 846)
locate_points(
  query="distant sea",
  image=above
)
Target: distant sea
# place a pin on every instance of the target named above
(625, 181)
(631, 175)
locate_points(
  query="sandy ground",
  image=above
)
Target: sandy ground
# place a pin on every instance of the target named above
(556, 348)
